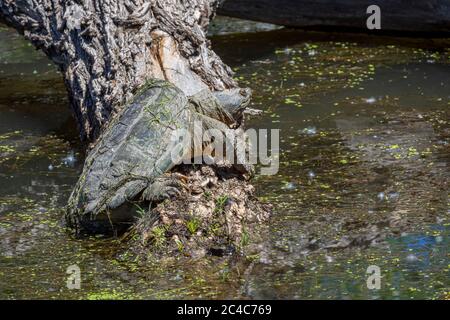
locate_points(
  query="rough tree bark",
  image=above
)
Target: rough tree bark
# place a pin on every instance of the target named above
(106, 48)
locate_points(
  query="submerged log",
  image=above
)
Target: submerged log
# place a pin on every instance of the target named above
(431, 16)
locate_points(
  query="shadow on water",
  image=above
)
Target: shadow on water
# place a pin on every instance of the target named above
(363, 176)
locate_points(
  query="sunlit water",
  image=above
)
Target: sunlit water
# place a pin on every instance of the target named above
(363, 176)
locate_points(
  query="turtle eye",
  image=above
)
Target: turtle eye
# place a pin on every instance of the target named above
(243, 92)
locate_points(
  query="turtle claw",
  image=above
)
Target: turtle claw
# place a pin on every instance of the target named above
(165, 187)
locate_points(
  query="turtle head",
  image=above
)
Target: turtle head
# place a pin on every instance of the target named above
(235, 101)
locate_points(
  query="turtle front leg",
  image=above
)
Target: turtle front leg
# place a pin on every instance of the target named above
(165, 187)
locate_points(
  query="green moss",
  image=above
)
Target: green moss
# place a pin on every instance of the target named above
(159, 236)
(207, 195)
(193, 225)
(220, 204)
(141, 212)
(245, 238)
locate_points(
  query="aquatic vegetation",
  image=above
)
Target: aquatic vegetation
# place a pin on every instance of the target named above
(17, 149)
(107, 295)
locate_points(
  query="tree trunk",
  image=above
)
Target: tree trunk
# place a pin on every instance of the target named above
(106, 48)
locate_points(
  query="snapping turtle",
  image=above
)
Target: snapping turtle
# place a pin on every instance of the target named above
(135, 153)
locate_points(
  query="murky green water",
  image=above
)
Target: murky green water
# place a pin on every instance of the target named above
(363, 177)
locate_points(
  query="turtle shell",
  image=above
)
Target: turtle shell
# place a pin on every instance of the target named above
(136, 147)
